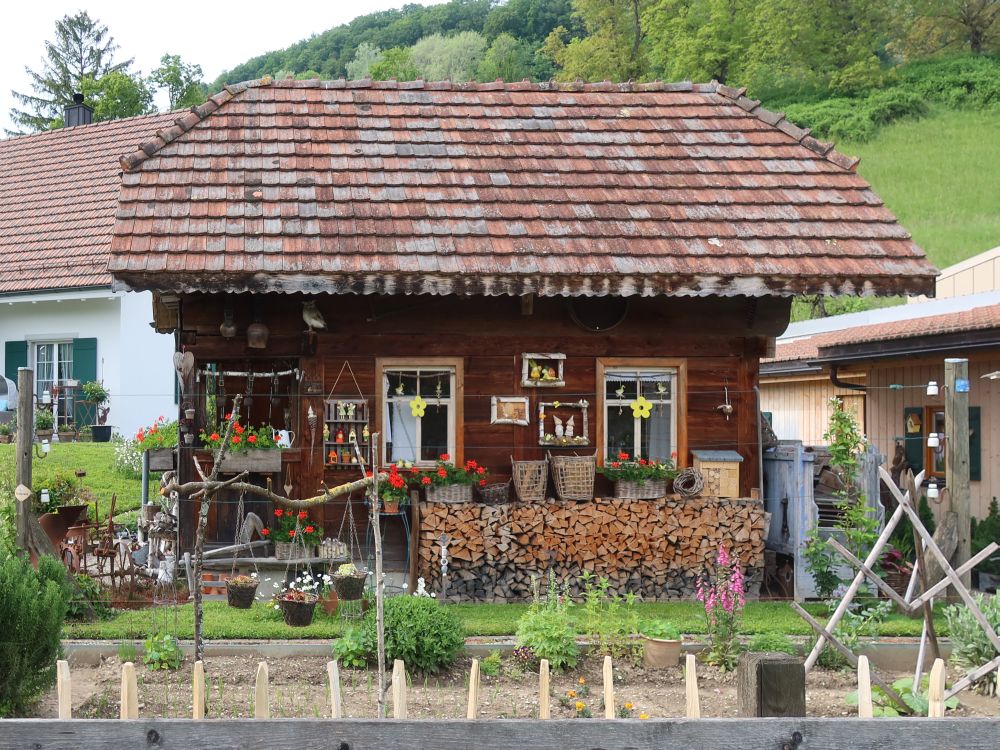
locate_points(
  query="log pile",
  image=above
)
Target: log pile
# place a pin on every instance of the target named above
(655, 548)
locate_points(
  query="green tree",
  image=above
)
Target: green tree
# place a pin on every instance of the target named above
(952, 26)
(508, 59)
(449, 58)
(82, 48)
(613, 47)
(117, 95)
(530, 20)
(395, 64)
(365, 56)
(698, 40)
(182, 81)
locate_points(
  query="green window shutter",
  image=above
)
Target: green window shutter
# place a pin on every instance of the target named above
(913, 442)
(15, 355)
(768, 417)
(975, 445)
(84, 370)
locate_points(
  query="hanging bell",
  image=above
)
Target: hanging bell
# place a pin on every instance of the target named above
(228, 327)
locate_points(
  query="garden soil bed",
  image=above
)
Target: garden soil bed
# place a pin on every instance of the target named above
(299, 689)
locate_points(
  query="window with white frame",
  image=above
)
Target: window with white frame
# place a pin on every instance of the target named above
(654, 437)
(407, 392)
(53, 364)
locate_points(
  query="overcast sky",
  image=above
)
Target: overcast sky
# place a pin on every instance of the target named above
(215, 35)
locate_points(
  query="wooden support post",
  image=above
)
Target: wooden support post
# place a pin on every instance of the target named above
(938, 587)
(770, 685)
(198, 691)
(261, 694)
(336, 703)
(691, 688)
(472, 711)
(935, 691)
(956, 455)
(865, 709)
(129, 693)
(64, 689)
(874, 577)
(543, 689)
(972, 676)
(25, 443)
(398, 689)
(609, 689)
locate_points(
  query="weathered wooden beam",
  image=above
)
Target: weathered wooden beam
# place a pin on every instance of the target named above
(64, 689)
(543, 689)
(956, 457)
(938, 587)
(874, 577)
(452, 734)
(974, 675)
(691, 699)
(935, 691)
(336, 702)
(472, 709)
(129, 702)
(865, 708)
(770, 685)
(608, 674)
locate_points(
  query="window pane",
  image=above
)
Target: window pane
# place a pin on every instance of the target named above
(656, 439)
(657, 386)
(400, 433)
(65, 362)
(434, 432)
(621, 432)
(938, 453)
(400, 383)
(620, 386)
(432, 380)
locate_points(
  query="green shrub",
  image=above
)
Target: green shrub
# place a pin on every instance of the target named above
(91, 593)
(970, 646)
(661, 629)
(773, 642)
(546, 628)
(350, 649)
(983, 534)
(163, 651)
(32, 610)
(490, 666)
(971, 81)
(418, 630)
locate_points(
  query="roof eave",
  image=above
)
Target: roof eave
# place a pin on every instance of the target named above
(908, 347)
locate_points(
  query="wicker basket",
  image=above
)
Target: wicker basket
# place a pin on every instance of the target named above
(529, 479)
(291, 551)
(240, 597)
(495, 494)
(349, 587)
(298, 614)
(574, 476)
(650, 489)
(450, 493)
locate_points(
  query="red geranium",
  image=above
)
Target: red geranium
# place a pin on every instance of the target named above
(623, 456)
(482, 482)
(309, 530)
(442, 472)
(303, 515)
(279, 512)
(215, 436)
(237, 440)
(265, 532)
(444, 457)
(425, 480)
(252, 439)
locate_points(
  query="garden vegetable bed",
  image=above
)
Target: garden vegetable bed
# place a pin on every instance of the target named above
(299, 690)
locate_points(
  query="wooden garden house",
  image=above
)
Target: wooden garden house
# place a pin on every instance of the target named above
(508, 255)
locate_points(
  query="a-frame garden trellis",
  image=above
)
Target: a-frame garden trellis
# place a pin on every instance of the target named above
(927, 547)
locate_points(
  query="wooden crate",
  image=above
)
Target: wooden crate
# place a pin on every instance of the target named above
(721, 470)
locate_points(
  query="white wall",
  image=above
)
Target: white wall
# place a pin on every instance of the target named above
(132, 359)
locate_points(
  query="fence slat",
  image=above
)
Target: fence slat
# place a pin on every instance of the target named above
(935, 691)
(543, 689)
(198, 691)
(398, 689)
(64, 689)
(609, 689)
(864, 689)
(472, 712)
(691, 688)
(336, 703)
(130, 693)
(261, 694)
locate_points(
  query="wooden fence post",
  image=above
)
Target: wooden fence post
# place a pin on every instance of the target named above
(261, 694)
(609, 689)
(333, 672)
(691, 688)
(198, 691)
(64, 689)
(398, 689)
(130, 693)
(543, 689)
(935, 691)
(473, 708)
(865, 709)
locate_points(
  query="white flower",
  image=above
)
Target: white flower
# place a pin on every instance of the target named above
(433, 595)
(405, 586)
(277, 606)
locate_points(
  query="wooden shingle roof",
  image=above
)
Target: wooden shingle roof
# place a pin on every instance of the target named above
(581, 189)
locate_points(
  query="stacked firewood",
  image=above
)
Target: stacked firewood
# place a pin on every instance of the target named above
(656, 548)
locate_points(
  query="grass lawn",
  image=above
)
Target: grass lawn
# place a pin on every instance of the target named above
(98, 460)
(939, 176)
(263, 622)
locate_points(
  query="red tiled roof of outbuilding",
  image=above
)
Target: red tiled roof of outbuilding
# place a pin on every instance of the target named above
(575, 189)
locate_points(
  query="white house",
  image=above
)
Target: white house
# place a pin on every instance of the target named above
(58, 313)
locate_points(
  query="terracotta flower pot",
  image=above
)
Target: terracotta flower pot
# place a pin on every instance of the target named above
(330, 602)
(658, 653)
(390, 506)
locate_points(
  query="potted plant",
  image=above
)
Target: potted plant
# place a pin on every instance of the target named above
(639, 478)
(159, 440)
(294, 535)
(240, 591)
(897, 570)
(6, 433)
(250, 448)
(44, 422)
(394, 492)
(447, 483)
(67, 432)
(349, 582)
(297, 606)
(98, 396)
(661, 644)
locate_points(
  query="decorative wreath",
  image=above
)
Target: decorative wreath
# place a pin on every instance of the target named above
(689, 483)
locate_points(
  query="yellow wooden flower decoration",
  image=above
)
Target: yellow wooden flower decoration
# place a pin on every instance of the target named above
(417, 407)
(641, 407)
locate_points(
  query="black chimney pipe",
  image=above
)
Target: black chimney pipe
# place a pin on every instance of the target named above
(77, 113)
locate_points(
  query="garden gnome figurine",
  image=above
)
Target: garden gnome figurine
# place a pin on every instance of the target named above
(559, 426)
(569, 427)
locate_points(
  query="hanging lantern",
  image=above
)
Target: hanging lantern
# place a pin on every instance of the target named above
(933, 440)
(228, 328)
(257, 332)
(932, 388)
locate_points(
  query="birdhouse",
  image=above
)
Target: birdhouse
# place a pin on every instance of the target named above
(721, 470)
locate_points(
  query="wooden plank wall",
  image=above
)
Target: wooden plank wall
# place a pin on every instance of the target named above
(800, 406)
(720, 338)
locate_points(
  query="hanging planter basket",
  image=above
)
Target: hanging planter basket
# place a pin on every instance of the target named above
(240, 597)
(298, 614)
(350, 587)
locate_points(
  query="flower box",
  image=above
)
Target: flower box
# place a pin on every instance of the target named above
(449, 493)
(255, 461)
(161, 459)
(292, 551)
(651, 489)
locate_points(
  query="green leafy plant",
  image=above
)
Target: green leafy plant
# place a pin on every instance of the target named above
(490, 666)
(970, 646)
(660, 629)
(6, 430)
(983, 533)
(44, 420)
(127, 652)
(445, 473)
(773, 642)
(861, 620)
(162, 651)
(95, 392)
(91, 596)
(424, 634)
(32, 610)
(546, 628)
(883, 705)
(723, 595)
(609, 620)
(350, 649)
(242, 439)
(637, 469)
(160, 434)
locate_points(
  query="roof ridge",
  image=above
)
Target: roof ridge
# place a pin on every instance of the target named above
(89, 127)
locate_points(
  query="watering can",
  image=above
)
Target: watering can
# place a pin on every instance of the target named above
(284, 438)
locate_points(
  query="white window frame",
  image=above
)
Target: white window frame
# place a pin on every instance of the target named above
(55, 343)
(387, 367)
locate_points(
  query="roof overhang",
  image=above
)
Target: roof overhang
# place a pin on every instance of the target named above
(908, 347)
